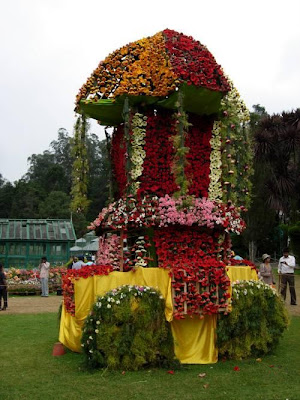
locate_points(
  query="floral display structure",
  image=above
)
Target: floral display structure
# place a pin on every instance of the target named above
(180, 182)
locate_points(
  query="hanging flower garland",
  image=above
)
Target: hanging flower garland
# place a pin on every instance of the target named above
(179, 162)
(138, 154)
(109, 252)
(236, 149)
(215, 186)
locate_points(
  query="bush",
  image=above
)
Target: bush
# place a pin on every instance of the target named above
(127, 330)
(256, 323)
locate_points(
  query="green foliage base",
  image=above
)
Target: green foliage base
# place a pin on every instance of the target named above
(127, 330)
(256, 323)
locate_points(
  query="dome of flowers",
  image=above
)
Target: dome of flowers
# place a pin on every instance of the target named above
(150, 71)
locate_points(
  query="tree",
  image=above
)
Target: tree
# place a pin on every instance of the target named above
(56, 205)
(6, 196)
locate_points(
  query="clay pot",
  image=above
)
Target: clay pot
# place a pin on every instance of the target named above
(58, 349)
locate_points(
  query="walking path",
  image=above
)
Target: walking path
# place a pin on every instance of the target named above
(37, 304)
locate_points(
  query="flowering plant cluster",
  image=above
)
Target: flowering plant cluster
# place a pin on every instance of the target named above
(70, 275)
(256, 323)
(154, 66)
(23, 280)
(165, 211)
(244, 288)
(25, 276)
(199, 279)
(133, 317)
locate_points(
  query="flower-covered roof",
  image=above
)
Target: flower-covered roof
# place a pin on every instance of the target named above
(151, 71)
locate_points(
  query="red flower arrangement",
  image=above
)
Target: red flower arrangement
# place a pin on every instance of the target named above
(157, 177)
(193, 63)
(70, 275)
(199, 278)
(198, 157)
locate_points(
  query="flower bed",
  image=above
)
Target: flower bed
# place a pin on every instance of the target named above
(22, 281)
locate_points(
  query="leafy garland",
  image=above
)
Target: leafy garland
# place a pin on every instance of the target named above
(80, 202)
(236, 150)
(179, 161)
(231, 155)
(256, 323)
(127, 330)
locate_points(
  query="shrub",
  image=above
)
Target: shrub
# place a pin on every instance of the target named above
(127, 330)
(256, 323)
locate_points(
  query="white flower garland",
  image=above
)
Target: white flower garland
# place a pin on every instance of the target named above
(215, 186)
(138, 154)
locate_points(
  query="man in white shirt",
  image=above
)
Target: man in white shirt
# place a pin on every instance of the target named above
(286, 267)
(79, 264)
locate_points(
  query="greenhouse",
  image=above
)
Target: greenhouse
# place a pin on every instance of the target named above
(24, 241)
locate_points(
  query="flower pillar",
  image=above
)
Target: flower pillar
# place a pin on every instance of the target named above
(166, 96)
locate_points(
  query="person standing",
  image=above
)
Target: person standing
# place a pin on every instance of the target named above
(3, 289)
(265, 270)
(286, 267)
(79, 264)
(44, 276)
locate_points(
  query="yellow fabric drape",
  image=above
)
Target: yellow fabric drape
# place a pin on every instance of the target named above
(194, 338)
(243, 273)
(87, 291)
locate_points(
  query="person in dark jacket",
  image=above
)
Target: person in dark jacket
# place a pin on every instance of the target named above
(3, 289)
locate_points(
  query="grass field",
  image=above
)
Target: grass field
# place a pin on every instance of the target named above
(29, 371)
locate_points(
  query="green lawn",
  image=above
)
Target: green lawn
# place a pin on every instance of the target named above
(29, 371)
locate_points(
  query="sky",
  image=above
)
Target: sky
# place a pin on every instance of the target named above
(49, 48)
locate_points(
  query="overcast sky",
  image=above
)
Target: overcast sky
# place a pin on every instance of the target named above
(50, 47)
